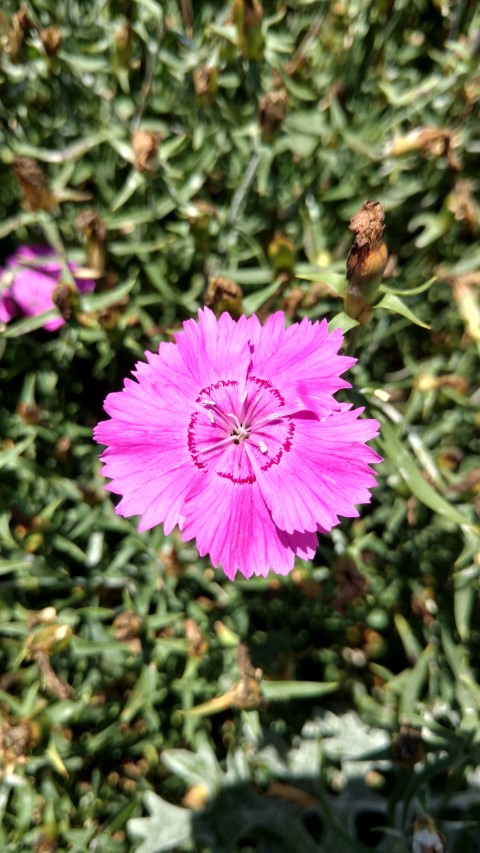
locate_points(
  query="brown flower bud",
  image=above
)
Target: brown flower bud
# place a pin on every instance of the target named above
(351, 585)
(64, 296)
(127, 627)
(272, 112)
(248, 18)
(145, 148)
(21, 19)
(246, 692)
(407, 746)
(13, 35)
(205, 82)
(281, 253)
(199, 221)
(292, 302)
(51, 39)
(50, 640)
(197, 643)
(38, 195)
(366, 261)
(427, 141)
(92, 225)
(461, 203)
(34, 184)
(17, 737)
(30, 412)
(122, 36)
(222, 294)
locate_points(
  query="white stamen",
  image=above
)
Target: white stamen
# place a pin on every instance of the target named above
(209, 402)
(216, 445)
(211, 416)
(236, 421)
(249, 413)
(263, 447)
(266, 420)
(244, 396)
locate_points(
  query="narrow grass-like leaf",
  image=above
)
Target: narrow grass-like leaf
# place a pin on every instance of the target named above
(342, 321)
(406, 466)
(282, 691)
(29, 324)
(253, 302)
(100, 301)
(391, 302)
(8, 456)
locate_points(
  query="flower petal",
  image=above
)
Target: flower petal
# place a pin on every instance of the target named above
(215, 349)
(147, 457)
(324, 474)
(304, 353)
(8, 308)
(232, 524)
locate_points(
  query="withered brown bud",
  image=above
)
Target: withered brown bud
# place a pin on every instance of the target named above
(272, 112)
(50, 639)
(427, 141)
(34, 184)
(246, 693)
(199, 222)
(145, 148)
(426, 382)
(51, 39)
(13, 35)
(92, 225)
(17, 737)
(64, 297)
(248, 19)
(281, 254)
(22, 20)
(461, 202)
(122, 37)
(197, 643)
(366, 261)
(407, 746)
(30, 412)
(293, 301)
(205, 82)
(123, 47)
(63, 448)
(468, 485)
(127, 627)
(351, 584)
(222, 294)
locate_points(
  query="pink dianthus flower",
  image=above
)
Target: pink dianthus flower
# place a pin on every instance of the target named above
(234, 434)
(28, 281)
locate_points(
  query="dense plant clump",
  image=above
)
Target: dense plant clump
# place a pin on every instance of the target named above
(179, 179)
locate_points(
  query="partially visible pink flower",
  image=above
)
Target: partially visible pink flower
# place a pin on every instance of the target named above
(29, 278)
(234, 434)
(7, 305)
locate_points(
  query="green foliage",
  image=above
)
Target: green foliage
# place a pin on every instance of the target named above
(131, 717)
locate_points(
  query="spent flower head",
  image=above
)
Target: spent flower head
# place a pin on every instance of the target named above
(233, 433)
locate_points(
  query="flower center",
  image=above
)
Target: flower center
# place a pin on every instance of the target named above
(239, 432)
(233, 432)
